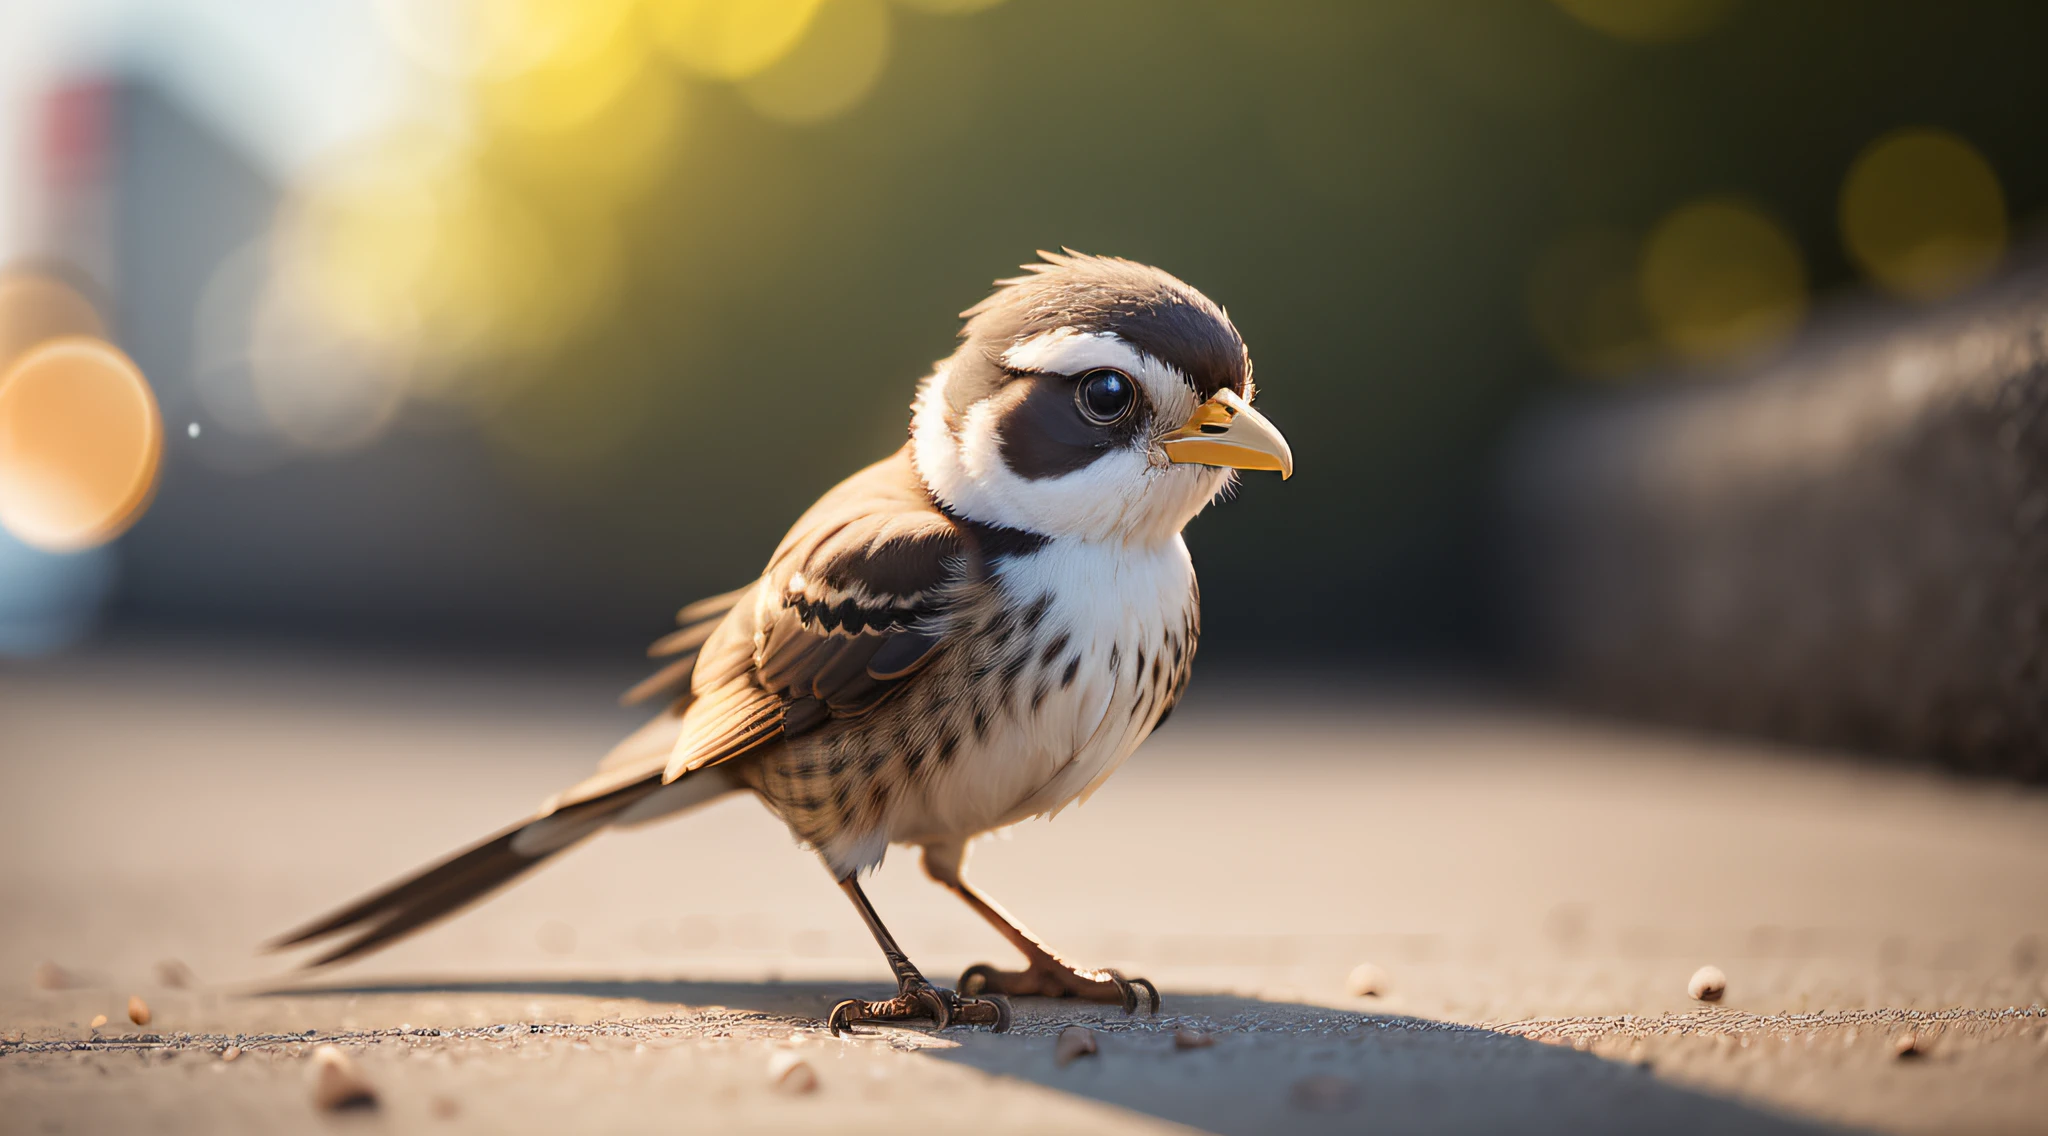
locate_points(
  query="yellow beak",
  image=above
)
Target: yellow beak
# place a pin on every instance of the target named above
(1226, 431)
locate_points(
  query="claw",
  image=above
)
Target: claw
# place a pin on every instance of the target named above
(977, 978)
(992, 1011)
(1057, 980)
(1128, 992)
(1151, 993)
(1128, 987)
(940, 1007)
(1003, 1015)
(844, 1015)
(935, 1007)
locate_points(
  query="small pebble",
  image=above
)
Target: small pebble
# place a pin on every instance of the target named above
(174, 974)
(98, 1020)
(1185, 1038)
(1324, 1092)
(138, 1010)
(792, 1074)
(1074, 1042)
(1906, 1045)
(230, 1053)
(50, 976)
(1366, 981)
(1708, 984)
(336, 1083)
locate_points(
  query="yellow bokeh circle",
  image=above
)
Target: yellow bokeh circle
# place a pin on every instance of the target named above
(409, 247)
(830, 70)
(591, 168)
(1721, 279)
(1922, 213)
(730, 39)
(594, 60)
(80, 443)
(494, 39)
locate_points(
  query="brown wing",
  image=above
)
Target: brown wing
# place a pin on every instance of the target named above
(846, 611)
(850, 607)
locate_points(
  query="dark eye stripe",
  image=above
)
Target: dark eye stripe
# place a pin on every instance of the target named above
(1045, 434)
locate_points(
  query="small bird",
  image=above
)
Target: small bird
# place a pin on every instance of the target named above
(975, 630)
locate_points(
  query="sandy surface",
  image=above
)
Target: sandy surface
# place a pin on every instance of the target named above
(1536, 890)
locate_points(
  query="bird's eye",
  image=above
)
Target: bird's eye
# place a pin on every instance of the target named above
(1105, 396)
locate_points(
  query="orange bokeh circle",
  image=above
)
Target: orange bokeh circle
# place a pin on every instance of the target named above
(80, 444)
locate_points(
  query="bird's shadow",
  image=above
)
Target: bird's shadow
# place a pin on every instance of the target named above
(1270, 1067)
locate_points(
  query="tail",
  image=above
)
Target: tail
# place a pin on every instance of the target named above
(436, 892)
(626, 790)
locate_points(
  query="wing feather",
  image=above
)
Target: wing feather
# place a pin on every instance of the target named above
(865, 575)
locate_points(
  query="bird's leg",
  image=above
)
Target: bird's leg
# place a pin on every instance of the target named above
(1045, 973)
(916, 998)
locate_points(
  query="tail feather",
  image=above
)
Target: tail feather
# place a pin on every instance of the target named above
(435, 892)
(631, 775)
(442, 892)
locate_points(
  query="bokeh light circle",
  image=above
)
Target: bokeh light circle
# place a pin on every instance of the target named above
(1648, 21)
(35, 307)
(830, 70)
(317, 385)
(1720, 279)
(1585, 306)
(730, 39)
(80, 443)
(490, 39)
(1922, 212)
(589, 170)
(413, 250)
(597, 57)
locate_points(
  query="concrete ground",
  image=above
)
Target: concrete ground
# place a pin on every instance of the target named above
(1535, 890)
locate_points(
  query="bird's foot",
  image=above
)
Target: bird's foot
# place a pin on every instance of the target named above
(921, 1001)
(1051, 978)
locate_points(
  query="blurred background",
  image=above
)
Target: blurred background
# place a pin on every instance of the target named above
(480, 326)
(1669, 382)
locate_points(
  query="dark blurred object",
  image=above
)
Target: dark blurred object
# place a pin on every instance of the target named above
(1847, 545)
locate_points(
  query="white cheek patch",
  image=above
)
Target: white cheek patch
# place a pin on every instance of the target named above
(933, 449)
(1094, 502)
(1130, 495)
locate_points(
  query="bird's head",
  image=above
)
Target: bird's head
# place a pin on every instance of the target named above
(1091, 397)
